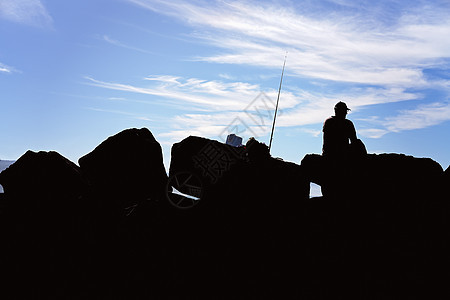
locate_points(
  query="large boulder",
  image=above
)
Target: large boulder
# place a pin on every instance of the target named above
(399, 175)
(128, 165)
(244, 176)
(249, 213)
(314, 168)
(208, 159)
(383, 176)
(38, 175)
(392, 220)
(43, 197)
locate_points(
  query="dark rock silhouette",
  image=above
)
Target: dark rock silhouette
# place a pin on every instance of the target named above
(41, 203)
(65, 231)
(254, 233)
(376, 175)
(43, 173)
(127, 165)
(249, 215)
(395, 220)
(244, 174)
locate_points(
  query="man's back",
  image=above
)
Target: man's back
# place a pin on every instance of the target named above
(336, 135)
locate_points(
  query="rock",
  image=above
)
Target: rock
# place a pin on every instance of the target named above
(42, 174)
(391, 240)
(42, 192)
(399, 175)
(383, 176)
(392, 219)
(239, 176)
(250, 211)
(43, 203)
(128, 164)
(314, 168)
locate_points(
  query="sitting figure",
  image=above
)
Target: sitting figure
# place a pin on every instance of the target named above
(341, 152)
(337, 133)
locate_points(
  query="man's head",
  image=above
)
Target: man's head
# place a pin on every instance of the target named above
(341, 109)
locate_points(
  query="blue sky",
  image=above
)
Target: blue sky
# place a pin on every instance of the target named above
(73, 73)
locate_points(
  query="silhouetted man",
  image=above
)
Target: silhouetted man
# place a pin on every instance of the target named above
(337, 132)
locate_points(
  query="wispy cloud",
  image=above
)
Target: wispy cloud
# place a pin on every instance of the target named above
(7, 69)
(332, 46)
(201, 95)
(314, 108)
(29, 12)
(213, 105)
(227, 76)
(121, 112)
(4, 68)
(115, 42)
(375, 59)
(373, 133)
(420, 117)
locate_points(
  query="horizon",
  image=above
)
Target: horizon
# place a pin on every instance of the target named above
(74, 73)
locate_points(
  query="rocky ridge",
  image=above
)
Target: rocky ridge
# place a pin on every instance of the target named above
(248, 230)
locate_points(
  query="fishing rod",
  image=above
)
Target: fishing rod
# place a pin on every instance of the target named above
(278, 100)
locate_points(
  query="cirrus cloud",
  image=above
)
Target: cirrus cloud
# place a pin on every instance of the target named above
(29, 12)
(372, 59)
(334, 46)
